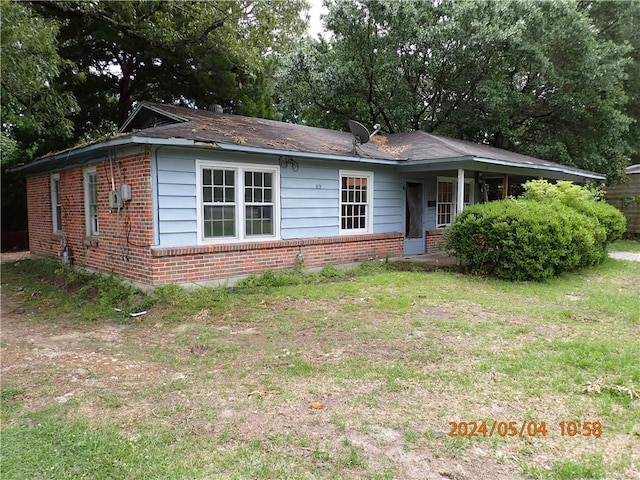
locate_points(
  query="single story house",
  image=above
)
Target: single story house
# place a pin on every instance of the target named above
(184, 196)
(626, 197)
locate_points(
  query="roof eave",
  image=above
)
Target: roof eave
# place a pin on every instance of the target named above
(59, 161)
(557, 168)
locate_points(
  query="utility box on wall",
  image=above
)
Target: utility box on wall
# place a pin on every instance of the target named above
(119, 196)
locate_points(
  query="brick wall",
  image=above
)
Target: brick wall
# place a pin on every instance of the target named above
(433, 239)
(125, 236)
(213, 262)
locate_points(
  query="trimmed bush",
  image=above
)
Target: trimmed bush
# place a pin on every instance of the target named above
(524, 239)
(552, 229)
(581, 199)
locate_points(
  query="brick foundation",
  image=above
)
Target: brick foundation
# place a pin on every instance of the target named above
(433, 238)
(218, 262)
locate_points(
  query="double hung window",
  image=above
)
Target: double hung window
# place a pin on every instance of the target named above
(56, 204)
(447, 199)
(237, 202)
(91, 202)
(356, 190)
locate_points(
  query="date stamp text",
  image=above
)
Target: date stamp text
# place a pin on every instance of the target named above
(524, 428)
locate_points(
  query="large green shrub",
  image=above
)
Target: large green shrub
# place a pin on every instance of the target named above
(551, 229)
(581, 199)
(525, 239)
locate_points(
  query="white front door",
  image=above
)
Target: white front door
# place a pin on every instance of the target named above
(413, 218)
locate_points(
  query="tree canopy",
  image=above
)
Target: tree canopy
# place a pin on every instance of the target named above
(71, 70)
(534, 77)
(190, 52)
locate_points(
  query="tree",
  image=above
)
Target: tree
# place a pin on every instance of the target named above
(618, 22)
(33, 111)
(35, 116)
(193, 53)
(528, 76)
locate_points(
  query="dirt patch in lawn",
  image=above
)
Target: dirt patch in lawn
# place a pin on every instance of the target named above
(388, 397)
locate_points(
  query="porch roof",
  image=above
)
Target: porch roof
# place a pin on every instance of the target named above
(160, 124)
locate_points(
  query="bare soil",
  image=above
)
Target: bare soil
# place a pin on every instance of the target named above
(106, 369)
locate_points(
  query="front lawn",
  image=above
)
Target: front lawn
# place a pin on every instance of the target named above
(357, 375)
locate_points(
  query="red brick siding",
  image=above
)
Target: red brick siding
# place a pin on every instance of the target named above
(130, 235)
(211, 262)
(433, 239)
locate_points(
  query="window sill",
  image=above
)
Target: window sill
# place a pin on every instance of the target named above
(90, 242)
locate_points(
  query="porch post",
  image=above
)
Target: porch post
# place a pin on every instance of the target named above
(460, 192)
(505, 185)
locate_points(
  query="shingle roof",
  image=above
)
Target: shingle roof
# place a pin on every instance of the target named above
(155, 121)
(207, 126)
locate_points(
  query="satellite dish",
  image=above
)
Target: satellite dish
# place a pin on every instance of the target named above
(359, 131)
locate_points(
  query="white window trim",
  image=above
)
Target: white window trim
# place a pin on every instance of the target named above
(468, 181)
(57, 227)
(239, 169)
(87, 202)
(369, 203)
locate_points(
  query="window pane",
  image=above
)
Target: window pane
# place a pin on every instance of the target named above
(207, 194)
(267, 195)
(59, 217)
(229, 178)
(257, 179)
(229, 195)
(248, 179)
(259, 220)
(268, 179)
(219, 221)
(206, 177)
(208, 229)
(218, 194)
(217, 177)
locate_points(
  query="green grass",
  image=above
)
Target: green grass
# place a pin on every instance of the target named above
(218, 383)
(625, 246)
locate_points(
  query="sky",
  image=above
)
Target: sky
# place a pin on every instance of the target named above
(315, 24)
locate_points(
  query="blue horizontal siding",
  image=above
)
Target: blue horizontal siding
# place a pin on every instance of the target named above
(168, 201)
(179, 239)
(168, 214)
(388, 202)
(309, 201)
(178, 226)
(177, 190)
(309, 196)
(173, 177)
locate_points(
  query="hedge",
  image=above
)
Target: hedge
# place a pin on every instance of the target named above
(549, 231)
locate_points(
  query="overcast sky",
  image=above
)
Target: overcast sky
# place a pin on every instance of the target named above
(315, 24)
